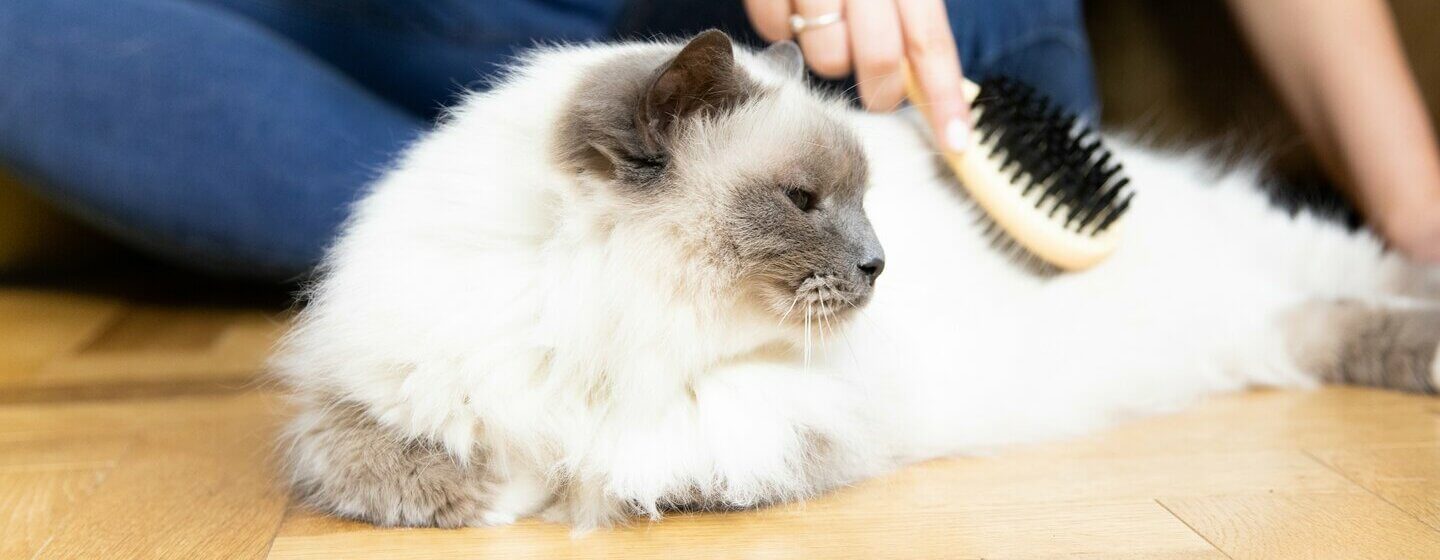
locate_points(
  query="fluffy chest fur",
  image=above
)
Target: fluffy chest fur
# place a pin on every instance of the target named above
(511, 331)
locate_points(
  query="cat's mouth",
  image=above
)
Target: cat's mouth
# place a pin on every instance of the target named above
(825, 297)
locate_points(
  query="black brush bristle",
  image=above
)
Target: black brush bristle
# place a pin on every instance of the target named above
(1040, 145)
(1002, 243)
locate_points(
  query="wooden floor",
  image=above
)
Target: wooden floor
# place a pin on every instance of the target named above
(135, 427)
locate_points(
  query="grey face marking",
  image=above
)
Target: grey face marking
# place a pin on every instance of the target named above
(786, 227)
(801, 234)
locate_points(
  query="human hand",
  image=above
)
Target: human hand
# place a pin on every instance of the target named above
(874, 38)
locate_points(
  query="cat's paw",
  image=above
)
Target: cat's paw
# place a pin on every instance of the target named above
(746, 447)
(523, 494)
(345, 463)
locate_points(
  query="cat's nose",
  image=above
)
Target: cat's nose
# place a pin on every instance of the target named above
(872, 268)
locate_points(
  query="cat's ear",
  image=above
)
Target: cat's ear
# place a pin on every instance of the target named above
(702, 78)
(786, 57)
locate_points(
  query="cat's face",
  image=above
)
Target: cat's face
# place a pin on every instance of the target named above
(763, 180)
(793, 228)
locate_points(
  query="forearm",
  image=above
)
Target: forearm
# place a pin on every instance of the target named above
(1341, 69)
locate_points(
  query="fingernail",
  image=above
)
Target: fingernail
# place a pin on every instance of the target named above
(957, 135)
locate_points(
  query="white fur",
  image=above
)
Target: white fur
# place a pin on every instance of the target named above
(468, 302)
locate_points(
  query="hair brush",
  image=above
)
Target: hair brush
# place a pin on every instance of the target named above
(1047, 185)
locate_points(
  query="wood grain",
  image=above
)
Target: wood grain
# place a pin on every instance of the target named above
(33, 505)
(1337, 417)
(1313, 526)
(42, 481)
(1407, 477)
(205, 491)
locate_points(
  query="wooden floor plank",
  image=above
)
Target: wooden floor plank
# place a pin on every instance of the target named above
(202, 491)
(1024, 479)
(143, 328)
(816, 530)
(1335, 417)
(52, 454)
(70, 420)
(1312, 526)
(40, 484)
(37, 326)
(198, 352)
(1408, 477)
(35, 504)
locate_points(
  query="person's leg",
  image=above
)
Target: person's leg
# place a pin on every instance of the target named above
(1040, 42)
(185, 130)
(423, 54)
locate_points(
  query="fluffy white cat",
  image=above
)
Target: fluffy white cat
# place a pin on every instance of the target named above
(638, 277)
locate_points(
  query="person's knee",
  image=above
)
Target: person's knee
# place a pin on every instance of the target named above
(1058, 67)
(1014, 17)
(1041, 42)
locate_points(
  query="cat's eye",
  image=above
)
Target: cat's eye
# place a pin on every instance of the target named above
(801, 198)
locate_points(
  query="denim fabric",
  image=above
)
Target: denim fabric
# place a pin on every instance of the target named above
(1042, 42)
(419, 53)
(188, 131)
(233, 135)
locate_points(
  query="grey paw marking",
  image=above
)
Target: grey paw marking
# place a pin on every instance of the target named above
(1358, 344)
(345, 463)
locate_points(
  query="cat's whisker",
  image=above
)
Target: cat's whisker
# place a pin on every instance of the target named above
(825, 316)
(846, 93)
(808, 313)
(786, 315)
(805, 343)
(820, 317)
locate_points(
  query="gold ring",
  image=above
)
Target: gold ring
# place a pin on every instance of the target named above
(799, 23)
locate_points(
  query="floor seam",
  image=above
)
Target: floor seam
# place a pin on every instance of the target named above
(1192, 529)
(270, 545)
(1367, 489)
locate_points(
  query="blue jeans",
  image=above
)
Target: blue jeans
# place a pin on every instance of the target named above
(233, 135)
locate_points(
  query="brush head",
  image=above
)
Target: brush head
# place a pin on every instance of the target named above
(1059, 164)
(1046, 186)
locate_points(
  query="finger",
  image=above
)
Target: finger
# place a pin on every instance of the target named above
(771, 18)
(827, 48)
(877, 48)
(930, 49)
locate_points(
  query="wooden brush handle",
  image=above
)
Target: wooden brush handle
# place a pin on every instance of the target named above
(1036, 231)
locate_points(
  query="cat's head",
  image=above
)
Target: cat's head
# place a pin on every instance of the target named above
(751, 173)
